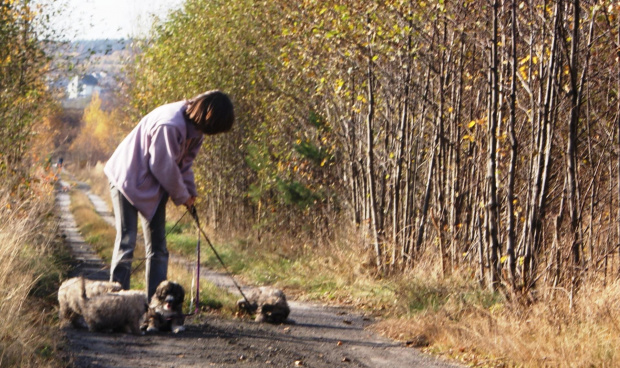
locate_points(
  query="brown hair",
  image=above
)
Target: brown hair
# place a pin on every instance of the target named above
(212, 112)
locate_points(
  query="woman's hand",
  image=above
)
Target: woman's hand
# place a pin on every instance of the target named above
(190, 202)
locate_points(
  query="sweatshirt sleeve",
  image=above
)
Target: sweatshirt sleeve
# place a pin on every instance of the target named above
(164, 151)
(186, 166)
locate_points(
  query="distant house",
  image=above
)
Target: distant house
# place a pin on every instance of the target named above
(82, 86)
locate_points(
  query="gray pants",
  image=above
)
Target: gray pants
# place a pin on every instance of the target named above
(156, 253)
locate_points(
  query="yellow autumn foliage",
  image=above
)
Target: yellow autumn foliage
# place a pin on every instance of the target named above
(100, 132)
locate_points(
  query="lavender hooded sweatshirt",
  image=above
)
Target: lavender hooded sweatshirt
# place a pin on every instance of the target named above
(156, 158)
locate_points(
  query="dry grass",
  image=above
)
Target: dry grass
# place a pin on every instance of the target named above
(30, 253)
(485, 329)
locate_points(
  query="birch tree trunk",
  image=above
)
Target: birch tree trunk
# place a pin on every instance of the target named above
(510, 199)
(370, 164)
(543, 130)
(571, 148)
(492, 205)
(400, 141)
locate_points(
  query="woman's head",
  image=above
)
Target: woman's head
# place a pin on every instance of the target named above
(212, 112)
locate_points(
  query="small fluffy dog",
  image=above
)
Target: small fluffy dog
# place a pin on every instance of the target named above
(165, 312)
(268, 303)
(70, 294)
(119, 311)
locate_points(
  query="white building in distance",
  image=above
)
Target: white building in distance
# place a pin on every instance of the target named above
(82, 86)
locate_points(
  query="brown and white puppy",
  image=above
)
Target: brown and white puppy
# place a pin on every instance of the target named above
(166, 309)
(121, 311)
(70, 294)
(268, 303)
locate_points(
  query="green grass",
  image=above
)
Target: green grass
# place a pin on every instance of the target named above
(182, 244)
(216, 298)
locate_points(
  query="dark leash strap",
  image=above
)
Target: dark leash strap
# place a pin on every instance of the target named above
(175, 224)
(193, 212)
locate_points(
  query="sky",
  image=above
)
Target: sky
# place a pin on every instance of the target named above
(108, 19)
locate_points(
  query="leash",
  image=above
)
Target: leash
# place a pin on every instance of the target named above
(193, 212)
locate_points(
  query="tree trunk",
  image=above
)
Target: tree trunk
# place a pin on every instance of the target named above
(400, 141)
(492, 205)
(571, 148)
(541, 167)
(510, 199)
(370, 164)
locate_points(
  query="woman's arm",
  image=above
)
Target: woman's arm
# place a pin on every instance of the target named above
(164, 150)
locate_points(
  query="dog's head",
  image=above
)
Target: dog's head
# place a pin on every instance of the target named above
(169, 295)
(247, 306)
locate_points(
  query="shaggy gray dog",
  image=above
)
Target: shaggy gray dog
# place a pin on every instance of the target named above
(268, 303)
(120, 311)
(70, 294)
(166, 309)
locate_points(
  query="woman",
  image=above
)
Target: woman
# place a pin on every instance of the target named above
(154, 163)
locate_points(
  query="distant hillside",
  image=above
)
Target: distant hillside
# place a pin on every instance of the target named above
(104, 46)
(93, 56)
(105, 60)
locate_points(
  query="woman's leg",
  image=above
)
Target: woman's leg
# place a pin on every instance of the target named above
(126, 218)
(155, 249)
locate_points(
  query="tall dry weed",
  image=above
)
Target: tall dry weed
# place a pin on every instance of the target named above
(28, 276)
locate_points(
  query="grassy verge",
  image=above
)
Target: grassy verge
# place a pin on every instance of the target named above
(450, 316)
(33, 260)
(95, 231)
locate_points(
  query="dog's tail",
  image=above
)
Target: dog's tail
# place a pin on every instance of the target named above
(83, 297)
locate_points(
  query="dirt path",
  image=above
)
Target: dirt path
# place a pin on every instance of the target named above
(320, 337)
